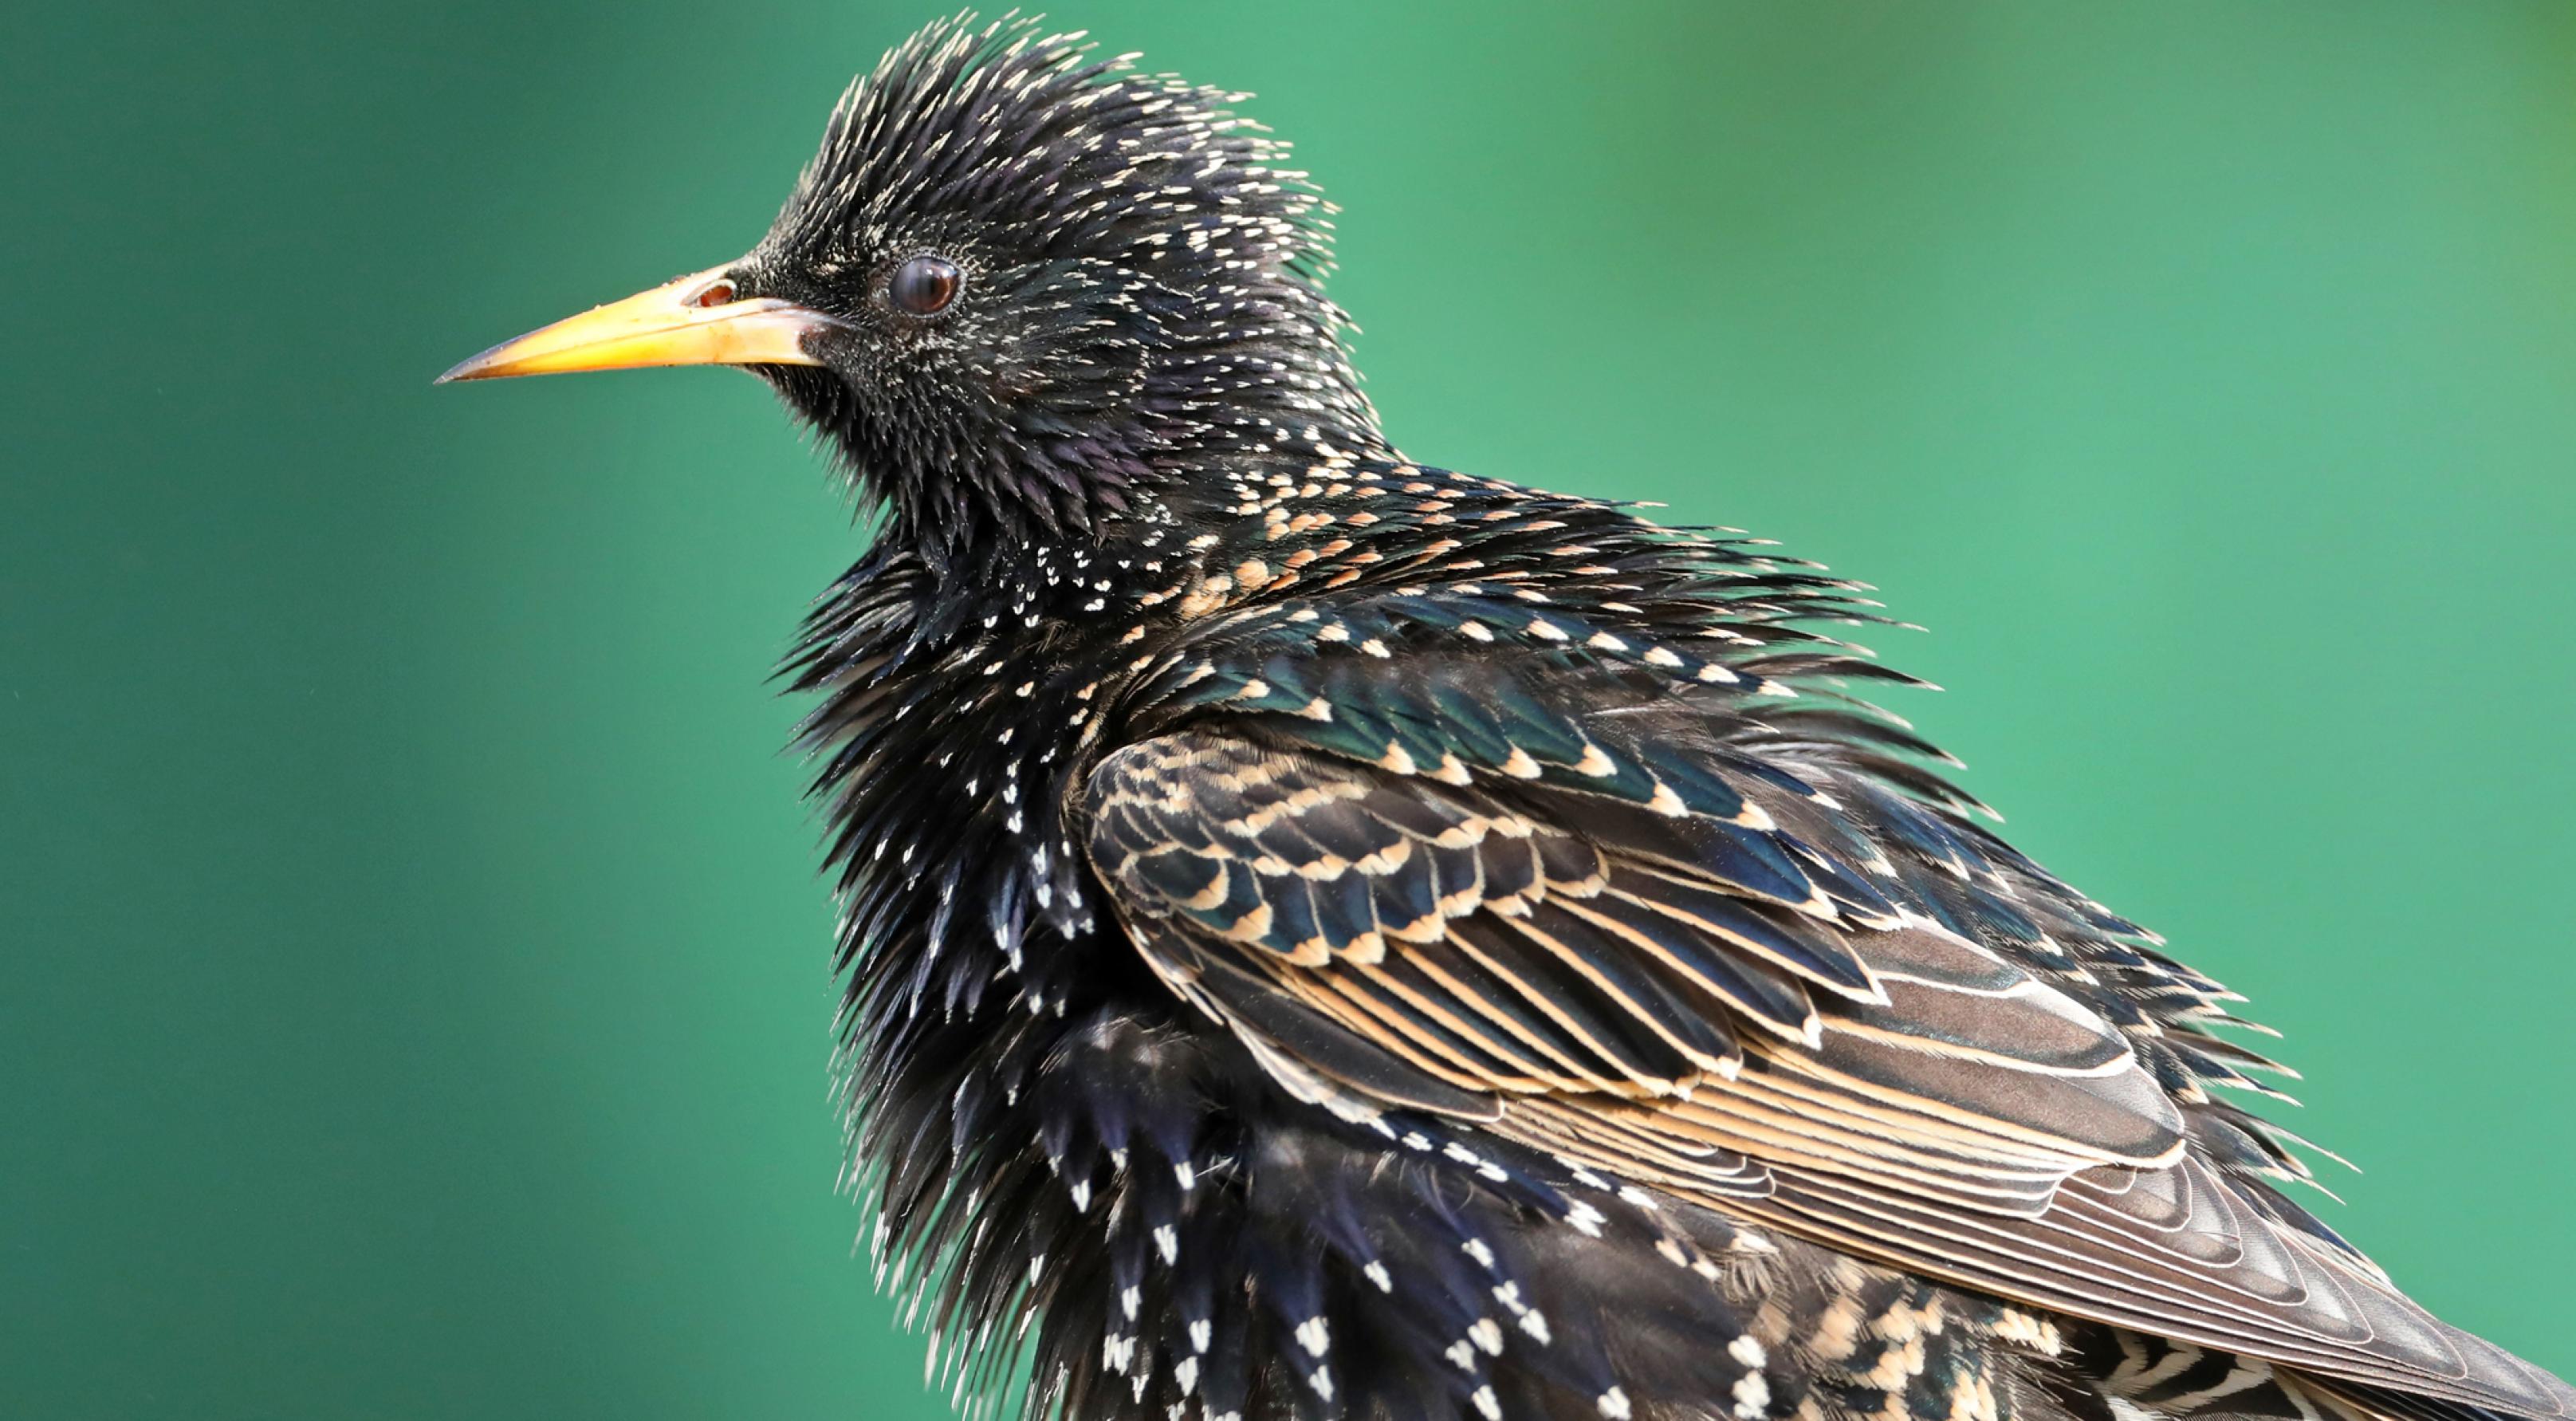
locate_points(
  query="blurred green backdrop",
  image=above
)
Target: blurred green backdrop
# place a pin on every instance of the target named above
(414, 990)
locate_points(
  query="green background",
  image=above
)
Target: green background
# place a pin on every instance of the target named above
(414, 999)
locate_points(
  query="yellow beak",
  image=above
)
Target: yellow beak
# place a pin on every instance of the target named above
(691, 321)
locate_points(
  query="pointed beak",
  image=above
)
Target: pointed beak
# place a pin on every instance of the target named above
(692, 321)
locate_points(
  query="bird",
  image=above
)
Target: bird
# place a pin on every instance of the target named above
(1327, 935)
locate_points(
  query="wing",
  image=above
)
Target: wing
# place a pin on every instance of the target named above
(1738, 960)
(1440, 947)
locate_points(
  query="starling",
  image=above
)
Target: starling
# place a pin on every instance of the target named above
(1331, 936)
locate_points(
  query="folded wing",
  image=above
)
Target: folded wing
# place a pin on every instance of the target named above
(1709, 984)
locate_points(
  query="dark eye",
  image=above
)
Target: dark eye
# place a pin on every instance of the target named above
(924, 286)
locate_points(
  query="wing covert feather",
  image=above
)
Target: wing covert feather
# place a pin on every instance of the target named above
(1747, 1010)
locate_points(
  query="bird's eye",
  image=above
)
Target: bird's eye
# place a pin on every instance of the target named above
(924, 286)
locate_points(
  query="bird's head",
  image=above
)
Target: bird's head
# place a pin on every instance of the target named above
(1018, 289)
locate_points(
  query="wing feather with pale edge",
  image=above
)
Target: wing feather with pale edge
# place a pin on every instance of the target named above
(1688, 991)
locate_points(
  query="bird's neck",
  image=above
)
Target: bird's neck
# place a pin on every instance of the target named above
(973, 511)
(988, 554)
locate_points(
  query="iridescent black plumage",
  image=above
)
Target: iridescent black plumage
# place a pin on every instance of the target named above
(1330, 936)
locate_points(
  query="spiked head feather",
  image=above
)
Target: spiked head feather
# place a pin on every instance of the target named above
(1142, 285)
